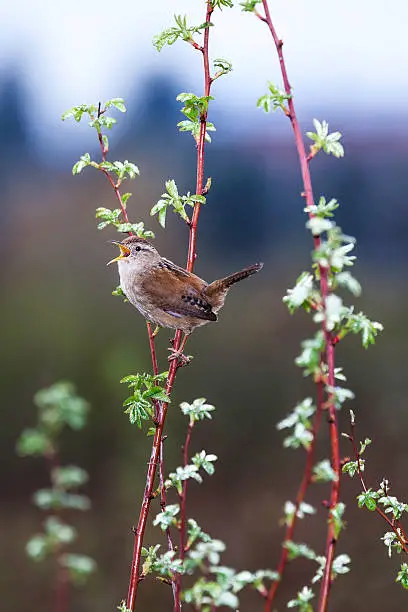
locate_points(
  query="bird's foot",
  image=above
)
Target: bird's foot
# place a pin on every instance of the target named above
(182, 360)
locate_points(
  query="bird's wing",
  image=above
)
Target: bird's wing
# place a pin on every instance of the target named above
(185, 298)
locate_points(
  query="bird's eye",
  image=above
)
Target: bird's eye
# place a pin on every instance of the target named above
(137, 248)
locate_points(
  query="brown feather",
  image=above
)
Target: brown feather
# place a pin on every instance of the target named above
(185, 298)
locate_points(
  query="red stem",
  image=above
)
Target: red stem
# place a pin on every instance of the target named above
(392, 523)
(306, 480)
(324, 289)
(191, 256)
(183, 516)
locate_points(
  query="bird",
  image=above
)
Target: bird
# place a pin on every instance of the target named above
(168, 295)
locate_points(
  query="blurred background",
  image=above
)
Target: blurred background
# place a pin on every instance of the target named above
(347, 64)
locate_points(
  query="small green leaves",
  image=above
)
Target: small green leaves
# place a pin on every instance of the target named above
(402, 576)
(323, 140)
(113, 217)
(165, 564)
(195, 533)
(333, 253)
(79, 567)
(176, 201)
(302, 510)
(176, 478)
(299, 550)
(204, 461)
(198, 410)
(392, 542)
(76, 112)
(347, 280)
(302, 600)
(336, 518)
(275, 99)
(310, 357)
(69, 477)
(117, 103)
(352, 467)
(84, 161)
(167, 517)
(323, 209)
(301, 294)
(222, 66)
(249, 6)
(323, 472)
(368, 499)
(220, 3)
(360, 324)
(109, 217)
(299, 421)
(33, 442)
(55, 533)
(57, 498)
(96, 114)
(123, 170)
(180, 31)
(195, 109)
(341, 565)
(333, 312)
(145, 389)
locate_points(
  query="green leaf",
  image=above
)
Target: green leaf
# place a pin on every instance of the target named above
(79, 567)
(118, 103)
(198, 410)
(336, 517)
(368, 499)
(301, 294)
(274, 100)
(69, 476)
(402, 576)
(323, 472)
(323, 140)
(167, 517)
(302, 600)
(33, 442)
(84, 160)
(249, 6)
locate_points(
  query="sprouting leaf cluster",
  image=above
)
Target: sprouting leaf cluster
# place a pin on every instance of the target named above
(117, 171)
(58, 407)
(323, 140)
(273, 100)
(180, 31)
(145, 389)
(113, 217)
(195, 109)
(177, 202)
(380, 500)
(332, 254)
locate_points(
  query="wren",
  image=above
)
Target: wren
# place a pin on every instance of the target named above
(167, 295)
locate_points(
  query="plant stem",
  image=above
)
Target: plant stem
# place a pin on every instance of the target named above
(392, 523)
(329, 348)
(306, 480)
(191, 256)
(183, 516)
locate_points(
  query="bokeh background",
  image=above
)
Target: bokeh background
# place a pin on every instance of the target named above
(347, 64)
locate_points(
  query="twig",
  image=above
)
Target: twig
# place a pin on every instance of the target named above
(191, 256)
(395, 525)
(329, 348)
(115, 186)
(306, 480)
(183, 516)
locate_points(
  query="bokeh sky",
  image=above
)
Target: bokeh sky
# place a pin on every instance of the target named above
(344, 55)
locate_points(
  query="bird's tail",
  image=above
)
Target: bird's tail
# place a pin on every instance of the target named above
(225, 283)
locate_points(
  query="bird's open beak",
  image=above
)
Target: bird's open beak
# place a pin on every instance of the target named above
(124, 252)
